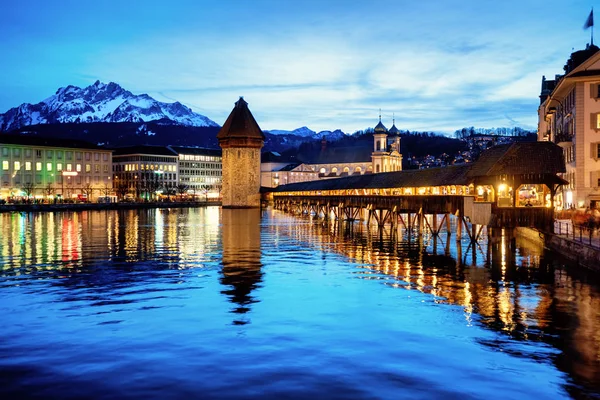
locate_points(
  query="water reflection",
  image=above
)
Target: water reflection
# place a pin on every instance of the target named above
(505, 283)
(241, 258)
(98, 272)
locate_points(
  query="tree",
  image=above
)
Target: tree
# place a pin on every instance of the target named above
(88, 191)
(121, 189)
(152, 186)
(49, 190)
(182, 189)
(205, 190)
(106, 190)
(28, 188)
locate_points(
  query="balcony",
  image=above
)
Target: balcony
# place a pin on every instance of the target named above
(563, 137)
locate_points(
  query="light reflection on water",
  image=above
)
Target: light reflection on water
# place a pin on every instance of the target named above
(234, 304)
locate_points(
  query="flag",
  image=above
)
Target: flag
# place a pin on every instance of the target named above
(590, 20)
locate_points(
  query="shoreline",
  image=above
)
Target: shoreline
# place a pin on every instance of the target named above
(103, 206)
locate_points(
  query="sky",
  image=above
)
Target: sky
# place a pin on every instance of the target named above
(433, 65)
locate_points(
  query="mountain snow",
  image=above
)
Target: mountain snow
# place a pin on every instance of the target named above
(308, 133)
(99, 102)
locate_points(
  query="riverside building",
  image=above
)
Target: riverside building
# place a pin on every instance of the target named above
(569, 115)
(52, 169)
(200, 171)
(336, 162)
(145, 172)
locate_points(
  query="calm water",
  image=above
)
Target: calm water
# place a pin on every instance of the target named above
(211, 303)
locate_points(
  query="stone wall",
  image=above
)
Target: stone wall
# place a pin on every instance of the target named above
(241, 177)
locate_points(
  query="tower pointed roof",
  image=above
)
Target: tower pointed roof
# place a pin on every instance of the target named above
(240, 124)
(380, 128)
(393, 129)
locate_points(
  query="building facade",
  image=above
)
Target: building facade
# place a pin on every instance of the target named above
(200, 171)
(145, 172)
(53, 169)
(569, 115)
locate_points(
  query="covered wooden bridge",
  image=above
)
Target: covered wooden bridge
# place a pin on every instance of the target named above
(509, 186)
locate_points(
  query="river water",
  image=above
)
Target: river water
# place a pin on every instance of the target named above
(211, 303)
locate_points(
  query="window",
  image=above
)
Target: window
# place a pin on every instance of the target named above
(87, 156)
(27, 152)
(69, 167)
(96, 167)
(48, 153)
(5, 165)
(78, 167)
(5, 151)
(78, 155)
(59, 155)
(17, 152)
(69, 155)
(88, 168)
(38, 166)
(59, 167)
(27, 165)
(105, 157)
(49, 166)
(17, 165)
(38, 154)
(96, 156)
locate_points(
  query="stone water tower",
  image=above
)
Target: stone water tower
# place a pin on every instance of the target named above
(241, 140)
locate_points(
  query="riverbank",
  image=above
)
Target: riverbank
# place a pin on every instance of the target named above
(581, 252)
(103, 206)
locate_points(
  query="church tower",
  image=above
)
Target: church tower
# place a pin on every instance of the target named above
(379, 147)
(241, 140)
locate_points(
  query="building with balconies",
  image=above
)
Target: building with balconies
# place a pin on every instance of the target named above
(569, 115)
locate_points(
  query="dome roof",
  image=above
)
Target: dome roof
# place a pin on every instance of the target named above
(394, 130)
(380, 128)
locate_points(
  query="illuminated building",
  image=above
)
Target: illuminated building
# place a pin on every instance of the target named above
(145, 171)
(52, 168)
(336, 162)
(569, 115)
(200, 170)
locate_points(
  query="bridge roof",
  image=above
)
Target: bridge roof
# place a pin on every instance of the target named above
(452, 175)
(521, 158)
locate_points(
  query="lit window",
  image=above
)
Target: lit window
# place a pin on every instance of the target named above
(38, 166)
(59, 167)
(69, 167)
(17, 165)
(27, 165)
(48, 166)
(88, 168)
(5, 165)
(78, 167)
(597, 121)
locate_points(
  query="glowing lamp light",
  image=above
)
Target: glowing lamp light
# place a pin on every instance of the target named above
(569, 197)
(502, 187)
(69, 173)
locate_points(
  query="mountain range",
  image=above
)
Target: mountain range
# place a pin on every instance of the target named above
(99, 102)
(108, 114)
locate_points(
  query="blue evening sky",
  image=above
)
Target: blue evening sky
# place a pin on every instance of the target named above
(436, 64)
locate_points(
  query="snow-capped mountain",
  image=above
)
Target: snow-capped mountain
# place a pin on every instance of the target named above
(308, 133)
(100, 102)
